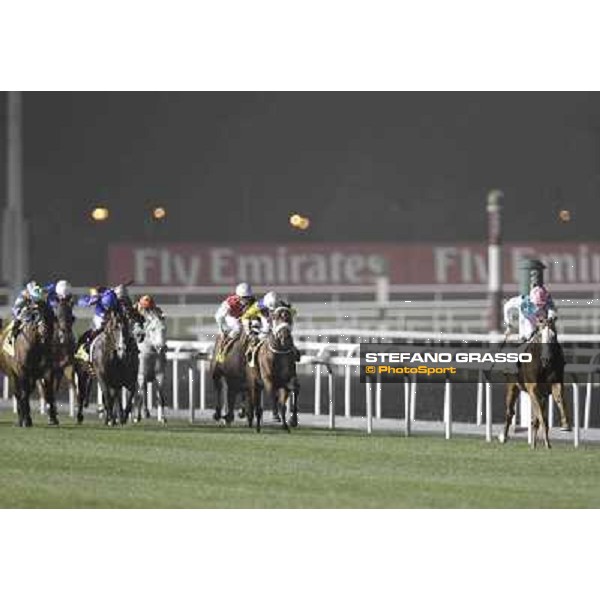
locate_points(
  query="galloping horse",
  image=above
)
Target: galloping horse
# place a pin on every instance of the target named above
(29, 360)
(543, 376)
(114, 361)
(152, 363)
(275, 372)
(233, 370)
(63, 345)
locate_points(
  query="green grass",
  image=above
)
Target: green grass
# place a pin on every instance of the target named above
(148, 466)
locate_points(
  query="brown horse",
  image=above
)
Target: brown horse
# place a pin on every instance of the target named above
(63, 345)
(29, 360)
(232, 369)
(543, 376)
(275, 372)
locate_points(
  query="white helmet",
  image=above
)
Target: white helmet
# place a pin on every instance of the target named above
(63, 288)
(243, 290)
(270, 300)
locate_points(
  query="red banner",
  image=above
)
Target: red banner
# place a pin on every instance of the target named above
(342, 264)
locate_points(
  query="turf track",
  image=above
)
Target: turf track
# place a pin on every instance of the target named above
(148, 466)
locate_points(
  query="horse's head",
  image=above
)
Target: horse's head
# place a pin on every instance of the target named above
(64, 321)
(116, 331)
(282, 329)
(546, 336)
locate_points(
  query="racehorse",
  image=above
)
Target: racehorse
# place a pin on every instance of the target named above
(29, 359)
(543, 376)
(114, 362)
(63, 346)
(233, 370)
(275, 372)
(152, 363)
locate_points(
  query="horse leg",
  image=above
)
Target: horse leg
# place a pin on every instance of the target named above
(26, 389)
(107, 401)
(84, 381)
(232, 392)
(218, 387)
(510, 400)
(48, 391)
(558, 397)
(294, 388)
(282, 397)
(18, 393)
(159, 379)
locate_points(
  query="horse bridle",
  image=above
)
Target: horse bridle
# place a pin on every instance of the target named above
(276, 329)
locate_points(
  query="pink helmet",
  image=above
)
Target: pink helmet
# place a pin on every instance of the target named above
(539, 295)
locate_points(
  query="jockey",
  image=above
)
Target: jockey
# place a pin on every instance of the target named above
(262, 310)
(228, 316)
(56, 292)
(104, 300)
(521, 313)
(146, 304)
(29, 296)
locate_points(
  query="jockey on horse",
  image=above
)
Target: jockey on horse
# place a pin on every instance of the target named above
(104, 300)
(28, 298)
(228, 318)
(522, 313)
(261, 312)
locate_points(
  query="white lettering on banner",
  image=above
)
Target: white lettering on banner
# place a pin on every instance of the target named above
(187, 276)
(443, 258)
(143, 261)
(220, 266)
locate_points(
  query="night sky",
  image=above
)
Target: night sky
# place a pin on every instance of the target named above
(363, 166)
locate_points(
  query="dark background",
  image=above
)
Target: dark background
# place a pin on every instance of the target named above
(232, 166)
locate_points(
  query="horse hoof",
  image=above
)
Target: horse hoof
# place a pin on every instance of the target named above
(147, 415)
(277, 418)
(53, 422)
(79, 419)
(294, 422)
(502, 438)
(216, 417)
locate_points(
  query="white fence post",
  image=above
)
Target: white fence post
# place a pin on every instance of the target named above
(575, 415)
(407, 396)
(149, 396)
(550, 411)
(191, 392)
(413, 396)
(331, 383)
(448, 407)
(378, 397)
(202, 384)
(369, 401)
(72, 399)
(488, 409)
(317, 390)
(479, 409)
(5, 395)
(347, 388)
(176, 381)
(588, 401)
